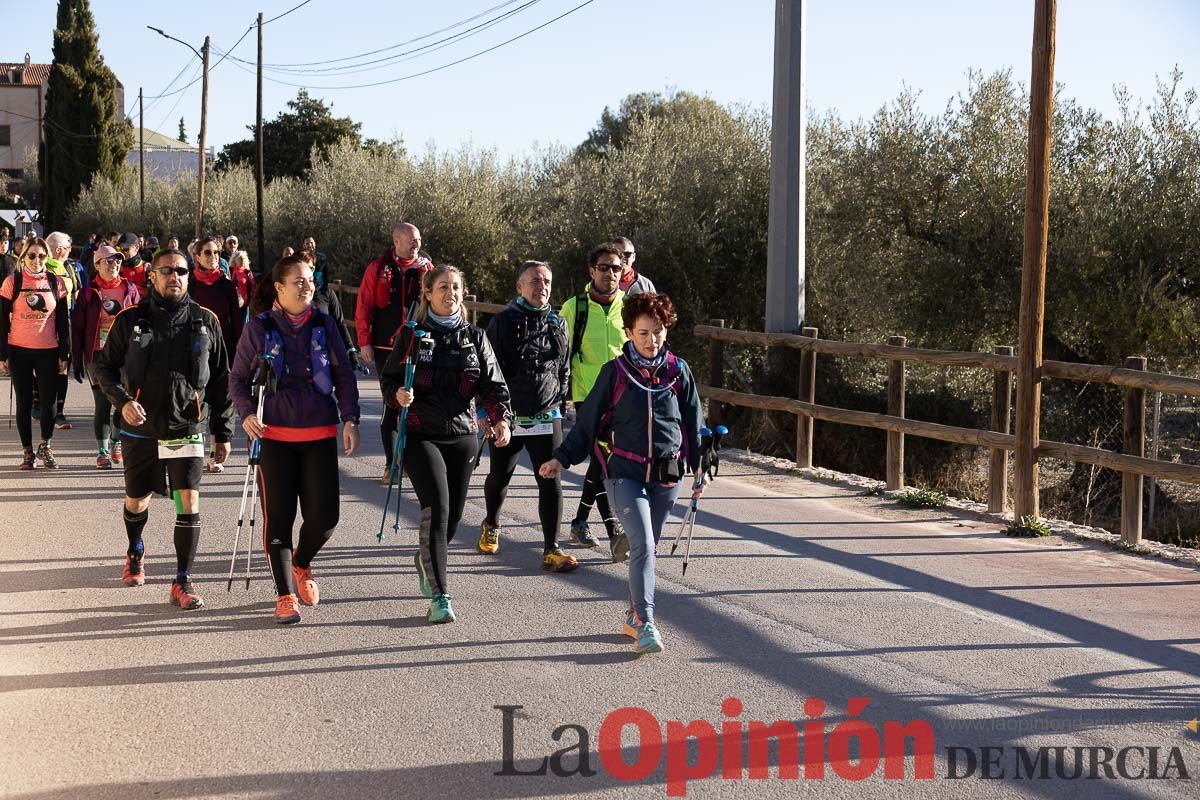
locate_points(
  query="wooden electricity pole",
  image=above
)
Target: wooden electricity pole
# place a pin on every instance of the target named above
(141, 155)
(1033, 262)
(203, 136)
(258, 162)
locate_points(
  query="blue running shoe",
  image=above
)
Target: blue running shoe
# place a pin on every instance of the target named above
(648, 639)
(440, 610)
(631, 624)
(426, 589)
(582, 536)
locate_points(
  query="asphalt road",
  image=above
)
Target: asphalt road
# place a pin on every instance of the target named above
(796, 590)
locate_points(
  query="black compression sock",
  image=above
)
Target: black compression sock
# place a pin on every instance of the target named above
(134, 523)
(187, 540)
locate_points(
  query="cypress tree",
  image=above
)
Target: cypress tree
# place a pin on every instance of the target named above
(85, 133)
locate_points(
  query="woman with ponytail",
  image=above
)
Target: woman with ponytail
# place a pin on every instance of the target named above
(314, 388)
(440, 444)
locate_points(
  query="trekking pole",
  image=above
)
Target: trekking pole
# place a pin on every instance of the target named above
(482, 440)
(710, 465)
(11, 415)
(396, 476)
(261, 380)
(689, 516)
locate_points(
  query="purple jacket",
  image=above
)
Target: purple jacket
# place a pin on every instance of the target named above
(296, 403)
(221, 298)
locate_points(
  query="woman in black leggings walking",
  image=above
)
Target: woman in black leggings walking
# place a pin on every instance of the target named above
(440, 443)
(530, 341)
(35, 340)
(298, 460)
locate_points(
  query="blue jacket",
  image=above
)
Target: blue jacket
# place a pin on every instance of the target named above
(296, 403)
(666, 424)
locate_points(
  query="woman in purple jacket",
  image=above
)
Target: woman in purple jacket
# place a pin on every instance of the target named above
(314, 387)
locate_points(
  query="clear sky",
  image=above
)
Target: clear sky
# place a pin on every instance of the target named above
(552, 85)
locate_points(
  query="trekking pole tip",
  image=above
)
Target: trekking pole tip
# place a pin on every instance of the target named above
(721, 429)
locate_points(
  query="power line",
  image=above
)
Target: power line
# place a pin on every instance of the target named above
(432, 47)
(434, 69)
(214, 66)
(389, 47)
(290, 10)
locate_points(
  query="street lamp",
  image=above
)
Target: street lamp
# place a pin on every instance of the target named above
(203, 116)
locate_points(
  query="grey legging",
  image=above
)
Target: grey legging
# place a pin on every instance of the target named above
(642, 510)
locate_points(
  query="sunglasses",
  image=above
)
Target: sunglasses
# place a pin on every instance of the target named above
(208, 252)
(629, 253)
(111, 260)
(610, 267)
(166, 272)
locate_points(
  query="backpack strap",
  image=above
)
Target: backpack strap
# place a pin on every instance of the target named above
(582, 302)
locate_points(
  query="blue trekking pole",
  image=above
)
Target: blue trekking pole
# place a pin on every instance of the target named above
(710, 465)
(424, 345)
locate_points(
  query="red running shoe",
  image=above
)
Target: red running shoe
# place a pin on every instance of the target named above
(287, 610)
(184, 596)
(306, 587)
(135, 571)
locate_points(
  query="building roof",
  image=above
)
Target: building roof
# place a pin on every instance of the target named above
(34, 74)
(160, 141)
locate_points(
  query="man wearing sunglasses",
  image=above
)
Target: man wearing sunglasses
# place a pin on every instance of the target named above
(596, 334)
(631, 282)
(165, 369)
(134, 269)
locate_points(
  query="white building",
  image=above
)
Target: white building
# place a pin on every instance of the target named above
(22, 102)
(167, 158)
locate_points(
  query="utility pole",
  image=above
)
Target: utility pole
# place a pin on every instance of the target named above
(258, 162)
(141, 155)
(785, 231)
(203, 135)
(1033, 262)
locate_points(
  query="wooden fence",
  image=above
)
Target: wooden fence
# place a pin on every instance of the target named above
(1132, 376)
(1131, 462)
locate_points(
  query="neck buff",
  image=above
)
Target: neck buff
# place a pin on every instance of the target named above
(600, 297)
(645, 363)
(297, 320)
(104, 283)
(37, 276)
(449, 323)
(527, 306)
(207, 276)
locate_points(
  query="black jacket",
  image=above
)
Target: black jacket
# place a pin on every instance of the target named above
(654, 424)
(461, 367)
(532, 349)
(175, 405)
(325, 299)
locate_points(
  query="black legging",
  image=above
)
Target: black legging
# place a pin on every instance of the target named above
(593, 493)
(504, 462)
(389, 423)
(297, 471)
(105, 423)
(60, 394)
(440, 471)
(26, 365)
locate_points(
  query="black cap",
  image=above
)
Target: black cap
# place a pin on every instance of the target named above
(127, 240)
(152, 241)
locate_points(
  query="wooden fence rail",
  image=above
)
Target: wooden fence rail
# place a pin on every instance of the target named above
(1132, 376)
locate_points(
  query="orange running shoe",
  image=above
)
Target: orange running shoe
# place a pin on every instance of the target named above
(184, 596)
(287, 610)
(135, 570)
(306, 587)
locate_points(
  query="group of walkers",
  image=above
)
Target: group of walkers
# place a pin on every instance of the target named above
(173, 361)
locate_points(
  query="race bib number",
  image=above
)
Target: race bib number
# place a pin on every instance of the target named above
(537, 425)
(187, 447)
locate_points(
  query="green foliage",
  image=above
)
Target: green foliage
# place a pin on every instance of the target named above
(1029, 526)
(922, 498)
(291, 139)
(85, 133)
(182, 131)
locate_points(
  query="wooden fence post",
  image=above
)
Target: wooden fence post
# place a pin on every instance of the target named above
(716, 374)
(1001, 416)
(808, 394)
(1134, 445)
(473, 315)
(895, 408)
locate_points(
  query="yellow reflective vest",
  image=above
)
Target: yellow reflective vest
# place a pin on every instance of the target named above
(603, 337)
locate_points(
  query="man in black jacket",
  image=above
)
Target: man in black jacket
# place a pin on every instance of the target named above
(8, 264)
(530, 342)
(166, 370)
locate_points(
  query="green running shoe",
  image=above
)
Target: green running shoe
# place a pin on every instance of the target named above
(648, 639)
(440, 610)
(426, 589)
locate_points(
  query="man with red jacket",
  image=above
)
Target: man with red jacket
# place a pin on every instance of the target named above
(387, 298)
